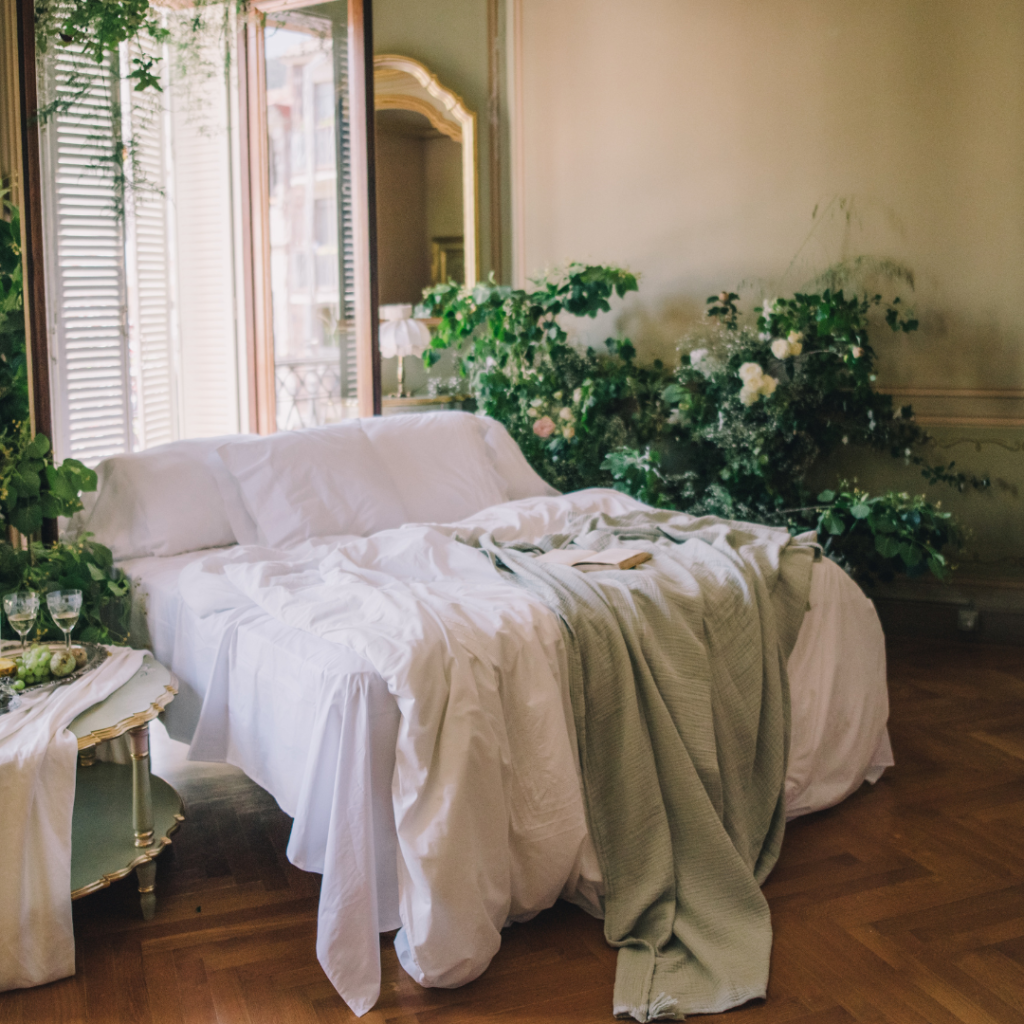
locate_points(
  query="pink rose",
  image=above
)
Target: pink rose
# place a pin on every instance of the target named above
(544, 427)
(857, 351)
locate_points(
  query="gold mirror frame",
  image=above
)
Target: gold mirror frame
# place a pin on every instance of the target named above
(401, 83)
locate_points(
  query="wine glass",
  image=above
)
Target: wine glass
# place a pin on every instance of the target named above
(64, 607)
(21, 609)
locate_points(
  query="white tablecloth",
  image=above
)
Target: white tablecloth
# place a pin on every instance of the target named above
(38, 757)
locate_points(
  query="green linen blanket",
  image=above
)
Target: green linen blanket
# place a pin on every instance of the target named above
(677, 675)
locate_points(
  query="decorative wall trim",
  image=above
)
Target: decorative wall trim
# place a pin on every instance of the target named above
(1017, 393)
(969, 421)
(1001, 408)
(979, 442)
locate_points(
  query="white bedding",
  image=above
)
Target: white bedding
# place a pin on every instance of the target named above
(312, 721)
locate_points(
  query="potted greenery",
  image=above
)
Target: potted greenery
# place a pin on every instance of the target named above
(33, 488)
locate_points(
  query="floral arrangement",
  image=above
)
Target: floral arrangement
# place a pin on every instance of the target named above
(735, 430)
(566, 408)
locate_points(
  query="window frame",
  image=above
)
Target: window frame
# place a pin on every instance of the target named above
(255, 233)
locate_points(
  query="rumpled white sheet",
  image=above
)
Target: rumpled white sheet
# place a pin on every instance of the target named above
(38, 759)
(333, 744)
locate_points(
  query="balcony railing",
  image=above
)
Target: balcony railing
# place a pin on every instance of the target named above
(311, 392)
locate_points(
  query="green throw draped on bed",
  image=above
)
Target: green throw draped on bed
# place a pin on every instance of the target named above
(679, 691)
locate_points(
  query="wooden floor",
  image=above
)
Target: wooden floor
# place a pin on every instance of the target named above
(904, 904)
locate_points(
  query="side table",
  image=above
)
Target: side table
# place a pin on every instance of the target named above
(123, 816)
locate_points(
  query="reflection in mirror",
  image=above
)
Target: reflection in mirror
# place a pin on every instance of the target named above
(420, 239)
(310, 216)
(426, 198)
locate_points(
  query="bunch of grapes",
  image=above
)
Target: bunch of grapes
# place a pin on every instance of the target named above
(33, 667)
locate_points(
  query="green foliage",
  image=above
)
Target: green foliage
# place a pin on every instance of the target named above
(32, 488)
(877, 537)
(99, 27)
(84, 565)
(565, 408)
(753, 406)
(13, 368)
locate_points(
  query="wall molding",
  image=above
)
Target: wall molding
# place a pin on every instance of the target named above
(999, 408)
(969, 421)
(979, 442)
(1011, 393)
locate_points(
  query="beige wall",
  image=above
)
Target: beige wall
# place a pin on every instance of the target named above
(691, 140)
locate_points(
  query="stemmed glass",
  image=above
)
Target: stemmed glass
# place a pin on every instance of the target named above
(64, 607)
(21, 609)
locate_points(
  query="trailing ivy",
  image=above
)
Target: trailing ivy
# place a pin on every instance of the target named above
(98, 27)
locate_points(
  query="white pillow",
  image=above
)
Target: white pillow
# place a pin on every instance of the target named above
(162, 501)
(521, 479)
(439, 463)
(313, 483)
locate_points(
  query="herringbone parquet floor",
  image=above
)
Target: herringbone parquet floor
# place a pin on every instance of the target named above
(905, 904)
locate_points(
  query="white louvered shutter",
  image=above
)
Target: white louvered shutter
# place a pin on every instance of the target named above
(85, 255)
(203, 200)
(148, 260)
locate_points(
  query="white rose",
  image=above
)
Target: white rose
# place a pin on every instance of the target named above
(749, 395)
(697, 355)
(565, 413)
(577, 395)
(537, 402)
(795, 337)
(795, 347)
(764, 336)
(750, 372)
(557, 396)
(780, 348)
(767, 385)
(568, 433)
(532, 412)
(857, 351)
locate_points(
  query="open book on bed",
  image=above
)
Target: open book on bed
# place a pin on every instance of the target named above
(596, 561)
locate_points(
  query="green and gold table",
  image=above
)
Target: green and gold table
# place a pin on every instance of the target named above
(123, 816)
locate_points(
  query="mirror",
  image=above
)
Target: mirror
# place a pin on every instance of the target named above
(426, 181)
(426, 197)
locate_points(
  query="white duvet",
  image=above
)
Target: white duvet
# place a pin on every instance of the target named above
(486, 797)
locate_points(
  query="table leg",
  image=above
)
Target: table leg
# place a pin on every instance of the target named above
(87, 756)
(142, 800)
(146, 874)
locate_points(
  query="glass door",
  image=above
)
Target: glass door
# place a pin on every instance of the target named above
(318, 324)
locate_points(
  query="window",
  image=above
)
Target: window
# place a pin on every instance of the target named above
(140, 219)
(204, 242)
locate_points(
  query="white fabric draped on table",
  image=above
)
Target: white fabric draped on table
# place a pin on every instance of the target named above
(38, 760)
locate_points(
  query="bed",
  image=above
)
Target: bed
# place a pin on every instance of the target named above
(199, 525)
